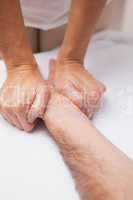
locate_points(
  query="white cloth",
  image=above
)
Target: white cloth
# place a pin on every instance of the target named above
(30, 164)
(45, 14)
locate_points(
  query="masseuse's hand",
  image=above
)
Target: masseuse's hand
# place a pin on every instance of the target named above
(72, 80)
(23, 97)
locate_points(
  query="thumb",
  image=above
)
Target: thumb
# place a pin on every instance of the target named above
(52, 68)
(39, 105)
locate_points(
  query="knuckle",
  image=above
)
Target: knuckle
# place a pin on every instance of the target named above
(17, 109)
(20, 108)
(6, 108)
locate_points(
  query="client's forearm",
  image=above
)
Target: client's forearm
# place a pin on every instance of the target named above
(95, 163)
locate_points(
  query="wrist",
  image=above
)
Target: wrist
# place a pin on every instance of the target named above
(12, 69)
(19, 55)
(20, 61)
(68, 54)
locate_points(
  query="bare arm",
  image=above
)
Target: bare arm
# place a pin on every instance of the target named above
(100, 170)
(24, 93)
(84, 15)
(14, 44)
(70, 76)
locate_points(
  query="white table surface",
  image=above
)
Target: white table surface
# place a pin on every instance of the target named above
(31, 167)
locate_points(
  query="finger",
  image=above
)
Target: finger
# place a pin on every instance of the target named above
(52, 68)
(15, 120)
(6, 118)
(102, 88)
(79, 98)
(12, 119)
(24, 123)
(89, 111)
(38, 107)
(73, 94)
(91, 100)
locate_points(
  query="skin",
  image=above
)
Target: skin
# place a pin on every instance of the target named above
(97, 176)
(18, 56)
(83, 17)
(22, 71)
(101, 171)
(23, 99)
(78, 85)
(70, 75)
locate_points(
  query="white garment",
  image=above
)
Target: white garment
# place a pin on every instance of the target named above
(45, 14)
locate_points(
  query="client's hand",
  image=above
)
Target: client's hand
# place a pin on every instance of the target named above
(23, 97)
(75, 82)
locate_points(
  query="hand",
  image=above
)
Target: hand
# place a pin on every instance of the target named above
(23, 97)
(75, 82)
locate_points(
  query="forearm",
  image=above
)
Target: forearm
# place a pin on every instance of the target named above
(14, 44)
(82, 20)
(85, 150)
